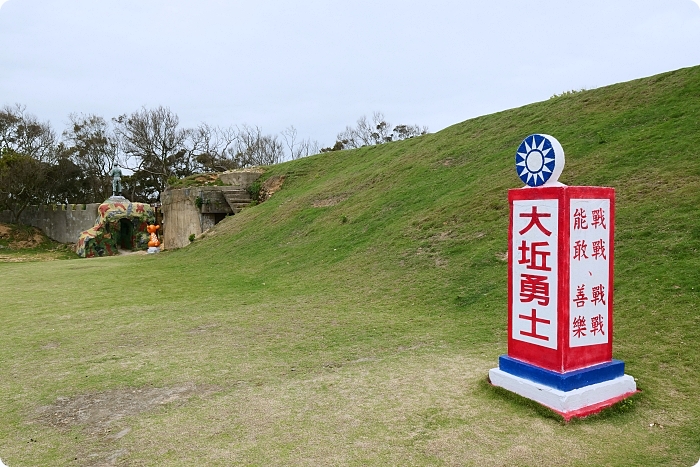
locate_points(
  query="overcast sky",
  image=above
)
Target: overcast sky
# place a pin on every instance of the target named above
(319, 65)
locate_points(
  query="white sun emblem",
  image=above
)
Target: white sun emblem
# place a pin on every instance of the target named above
(537, 159)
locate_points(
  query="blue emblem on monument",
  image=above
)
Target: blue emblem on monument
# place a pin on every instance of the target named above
(539, 160)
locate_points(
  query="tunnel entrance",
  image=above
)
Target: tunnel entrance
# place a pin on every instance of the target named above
(126, 234)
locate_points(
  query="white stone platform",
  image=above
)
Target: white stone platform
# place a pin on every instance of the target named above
(575, 403)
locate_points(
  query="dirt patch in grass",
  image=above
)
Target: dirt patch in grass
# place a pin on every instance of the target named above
(132, 252)
(22, 243)
(104, 416)
(35, 256)
(38, 254)
(5, 231)
(271, 186)
(207, 178)
(96, 413)
(13, 259)
(22, 237)
(414, 408)
(332, 201)
(203, 328)
(32, 242)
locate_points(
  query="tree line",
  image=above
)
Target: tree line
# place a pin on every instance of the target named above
(378, 131)
(37, 166)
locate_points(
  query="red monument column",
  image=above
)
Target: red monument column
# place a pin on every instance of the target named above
(560, 285)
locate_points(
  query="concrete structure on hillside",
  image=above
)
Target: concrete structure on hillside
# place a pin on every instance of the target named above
(62, 223)
(191, 211)
(186, 211)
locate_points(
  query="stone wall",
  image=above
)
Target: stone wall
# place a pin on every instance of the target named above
(63, 223)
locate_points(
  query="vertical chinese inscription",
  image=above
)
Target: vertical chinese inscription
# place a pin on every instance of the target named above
(590, 272)
(534, 251)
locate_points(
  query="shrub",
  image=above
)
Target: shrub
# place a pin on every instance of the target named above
(254, 191)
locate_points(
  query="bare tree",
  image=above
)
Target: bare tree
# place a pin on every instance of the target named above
(365, 133)
(212, 146)
(253, 148)
(220, 149)
(24, 134)
(359, 135)
(382, 129)
(401, 132)
(378, 131)
(153, 143)
(91, 144)
(157, 150)
(148, 142)
(299, 148)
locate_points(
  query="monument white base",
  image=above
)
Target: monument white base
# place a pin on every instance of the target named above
(153, 249)
(575, 403)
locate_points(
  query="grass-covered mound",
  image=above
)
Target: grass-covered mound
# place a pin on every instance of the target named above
(352, 318)
(20, 243)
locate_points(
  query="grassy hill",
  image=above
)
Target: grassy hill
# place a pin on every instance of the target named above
(352, 318)
(19, 243)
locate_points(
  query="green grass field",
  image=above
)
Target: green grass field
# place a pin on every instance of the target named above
(353, 317)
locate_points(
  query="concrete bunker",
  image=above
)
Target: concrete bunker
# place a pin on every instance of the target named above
(196, 209)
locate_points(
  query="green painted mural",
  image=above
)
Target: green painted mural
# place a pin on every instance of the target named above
(121, 224)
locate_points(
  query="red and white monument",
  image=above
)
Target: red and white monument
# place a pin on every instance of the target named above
(560, 289)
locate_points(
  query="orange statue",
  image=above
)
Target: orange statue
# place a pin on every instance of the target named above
(151, 229)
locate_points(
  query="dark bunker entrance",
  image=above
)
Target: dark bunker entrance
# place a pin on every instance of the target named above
(126, 234)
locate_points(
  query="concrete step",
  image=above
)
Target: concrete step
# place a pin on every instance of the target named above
(237, 199)
(241, 195)
(233, 189)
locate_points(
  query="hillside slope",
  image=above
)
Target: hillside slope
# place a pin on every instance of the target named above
(425, 221)
(352, 318)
